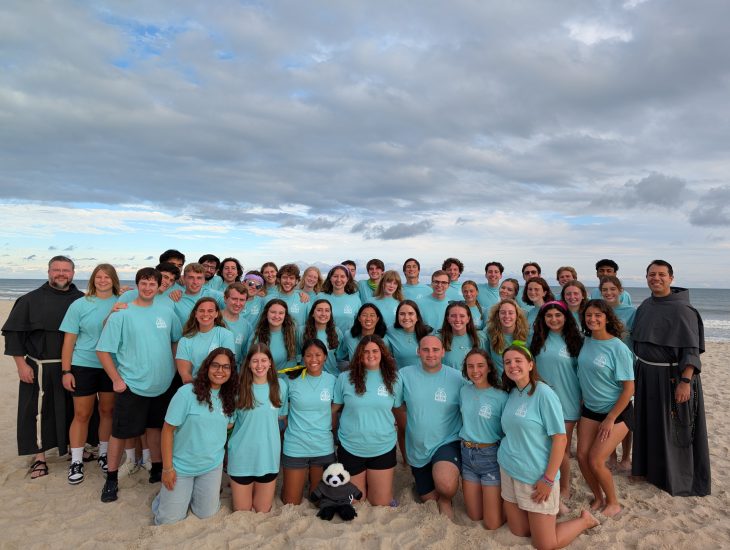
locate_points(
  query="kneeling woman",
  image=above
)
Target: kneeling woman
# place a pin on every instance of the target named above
(482, 403)
(367, 395)
(255, 444)
(530, 454)
(194, 439)
(308, 444)
(606, 376)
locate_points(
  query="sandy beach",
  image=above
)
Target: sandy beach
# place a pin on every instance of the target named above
(49, 513)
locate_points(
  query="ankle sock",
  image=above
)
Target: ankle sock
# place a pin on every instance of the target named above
(77, 454)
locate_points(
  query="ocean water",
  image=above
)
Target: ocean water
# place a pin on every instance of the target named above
(712, 303)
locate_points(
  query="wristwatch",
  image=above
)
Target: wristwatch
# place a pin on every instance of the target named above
(685, 380)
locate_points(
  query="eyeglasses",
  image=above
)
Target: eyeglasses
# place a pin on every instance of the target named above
(220, 366)
(254, 284)
(439, 282)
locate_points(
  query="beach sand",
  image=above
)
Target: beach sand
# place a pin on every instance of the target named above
(49, 513)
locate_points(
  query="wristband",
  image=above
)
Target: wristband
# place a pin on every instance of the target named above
(66, 372)
(549, 482)
(685, 380)
(168, 470)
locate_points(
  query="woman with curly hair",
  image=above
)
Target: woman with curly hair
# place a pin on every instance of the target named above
(606, 375)
(254, 447)
(458, 334)
(194, 439)
(321, 325)
(341, 292)
(506, 323)
(388, 295)
(555, 346)
(204, 330)
(367, 395)
(277, 330)
(369, 321)
(308, 444)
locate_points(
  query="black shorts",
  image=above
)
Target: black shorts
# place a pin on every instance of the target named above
(357, 464)
(90, 381)
(423, 475)
(133, 413)
(626, 416)
(248, 480)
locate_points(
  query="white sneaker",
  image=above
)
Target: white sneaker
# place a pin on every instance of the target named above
(129, 468)
(147, 465)
(76, 473)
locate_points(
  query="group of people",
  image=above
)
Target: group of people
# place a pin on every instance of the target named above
(203, 368)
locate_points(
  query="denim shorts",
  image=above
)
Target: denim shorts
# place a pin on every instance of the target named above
(480, 465)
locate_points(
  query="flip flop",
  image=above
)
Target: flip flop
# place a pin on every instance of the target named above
(38, 467)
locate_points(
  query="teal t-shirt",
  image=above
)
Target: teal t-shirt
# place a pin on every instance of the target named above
(433, 415)
(528, 423)
(85, 318)
(196, 348)
(141, 337)
(364, 291)
(481, 413)
(603, 366)
(161, 299)
(367, 424)
(348, 344)
(416, 292)
(241, 330)
(387, 307)
(200, 434)
(432, 311)
(330, 364)
(309, 427)
(495, 355)
(254, 447)
(460, 346)
(403, 346)
(453, 293)
(216, 283)
(479, 316)
(626, 315)
(344, 308)
(298, 311)
(253, 310)
(560, 371)
(488, 297)
(278, 349)
(185, 305)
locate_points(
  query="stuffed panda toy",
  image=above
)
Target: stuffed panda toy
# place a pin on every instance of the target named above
(334, 494)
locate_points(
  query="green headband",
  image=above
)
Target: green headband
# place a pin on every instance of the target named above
(522, 345)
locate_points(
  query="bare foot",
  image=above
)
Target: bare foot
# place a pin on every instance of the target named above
(563, 510)
(590, 519)
(445, 508)
(624, 467)
(612, 510)
(597, 503)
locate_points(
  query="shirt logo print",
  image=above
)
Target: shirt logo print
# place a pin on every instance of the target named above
(294, 308)
(348, 310)
(160, 322)
(564, 352)
(440, 395)
(382, 390)
(601, 361)
(521, 411)
(325, 395)
(485, 411)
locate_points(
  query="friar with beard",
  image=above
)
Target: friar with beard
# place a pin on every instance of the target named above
(33, 340)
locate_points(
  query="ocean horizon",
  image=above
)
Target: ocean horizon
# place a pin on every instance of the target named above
(712, 303)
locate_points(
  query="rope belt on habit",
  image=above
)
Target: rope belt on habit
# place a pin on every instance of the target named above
(653, 364)
(39, 417)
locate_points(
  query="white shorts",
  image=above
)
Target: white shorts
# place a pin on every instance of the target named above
(520, 494)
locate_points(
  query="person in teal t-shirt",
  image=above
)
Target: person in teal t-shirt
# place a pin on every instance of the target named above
(194, 279)
(530, 453)
(413, 289)
(142, 337)
(489, 292)
(341, 292)
(387, 296)
(320, 324)
(368, 321)
(555, 346)
(434, 305)
(459, 335)
(606, 375)
(506, 322)
(470, 291)
(83, 374)
(203, 332)
(308, 442)
(194, 439)
(254, 447)
(277, 330)
(255, 301)
(481, 403)
(609, 268)
(431, 400)
(297, 302)
(611, 290)
(366, 289)
(454, 268)
(235, 296)
(367, 395)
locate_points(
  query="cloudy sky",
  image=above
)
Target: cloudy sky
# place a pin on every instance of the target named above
(561, 132)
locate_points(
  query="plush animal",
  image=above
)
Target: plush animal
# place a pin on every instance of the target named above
(335, 493)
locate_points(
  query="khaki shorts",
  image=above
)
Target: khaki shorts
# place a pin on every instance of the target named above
(521, 494)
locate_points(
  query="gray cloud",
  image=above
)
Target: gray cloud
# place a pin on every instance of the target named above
(69, 248)
(31, 257)
(713, 208)
(655, 189)
(398, 231)
(52, 248)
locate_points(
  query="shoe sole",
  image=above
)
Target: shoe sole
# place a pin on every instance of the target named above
(108, 497)
(75, 481)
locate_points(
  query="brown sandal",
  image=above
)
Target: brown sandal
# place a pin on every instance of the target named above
(39, 468)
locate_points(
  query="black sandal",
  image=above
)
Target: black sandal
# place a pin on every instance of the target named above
(38, 467)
